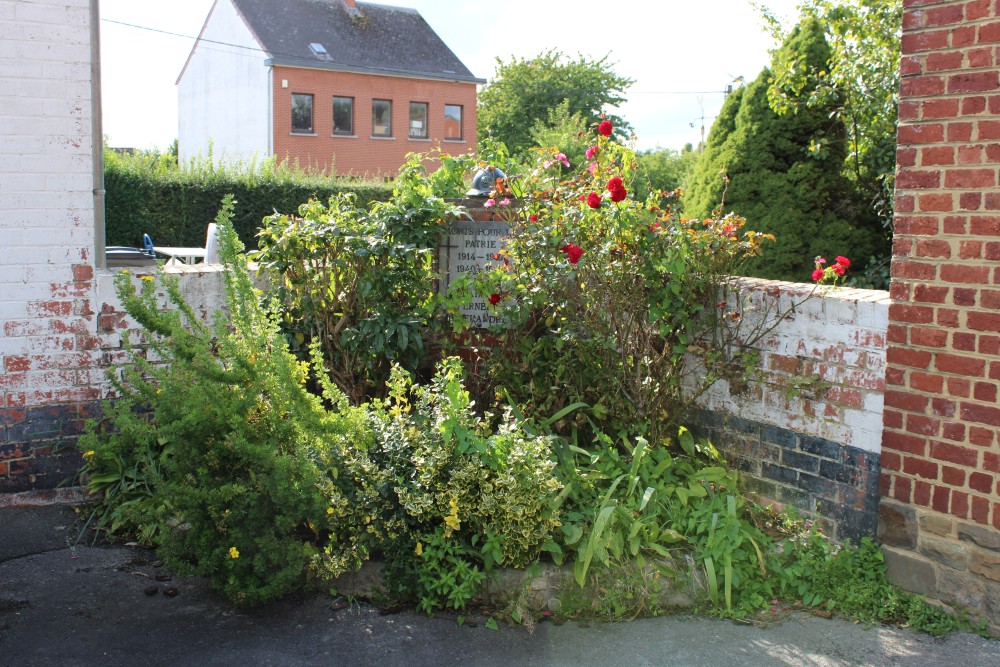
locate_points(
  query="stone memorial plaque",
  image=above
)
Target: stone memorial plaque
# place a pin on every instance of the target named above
(468, 249)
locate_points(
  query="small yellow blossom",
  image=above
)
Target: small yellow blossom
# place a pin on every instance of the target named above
(234, 553)
(420, 549)
(452, 520)
(147, 279)
(88, 456)
(329, 510)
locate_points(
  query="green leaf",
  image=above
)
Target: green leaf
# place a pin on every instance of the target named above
(686, 441)
(491, 624)
(645, 497)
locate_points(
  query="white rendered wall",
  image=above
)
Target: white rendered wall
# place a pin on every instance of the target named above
(223, 94)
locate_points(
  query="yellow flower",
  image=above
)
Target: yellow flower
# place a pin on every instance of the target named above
(234, 553)
(148, 279)
(88, 456)
(329, 510)
(452, 520)
(420, 549)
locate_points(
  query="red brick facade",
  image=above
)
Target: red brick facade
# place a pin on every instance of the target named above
(940, 450)
(360, 153)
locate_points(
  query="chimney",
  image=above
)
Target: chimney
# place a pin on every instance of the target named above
(350, 4)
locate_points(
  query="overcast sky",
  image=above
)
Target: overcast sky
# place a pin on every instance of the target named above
(681, 53)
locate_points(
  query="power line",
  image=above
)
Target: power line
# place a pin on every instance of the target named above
(309, 60)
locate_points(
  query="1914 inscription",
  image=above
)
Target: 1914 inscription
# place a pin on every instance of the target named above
(470, 248)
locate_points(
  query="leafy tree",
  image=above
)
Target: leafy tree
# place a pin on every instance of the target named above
(561, 130)
(783, 173)
(522, 92)
(663, 169)
(861, 83)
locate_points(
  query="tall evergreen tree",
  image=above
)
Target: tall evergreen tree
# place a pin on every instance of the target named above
(784, 174)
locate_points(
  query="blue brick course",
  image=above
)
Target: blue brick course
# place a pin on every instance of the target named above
(37, 445)
(835, 482)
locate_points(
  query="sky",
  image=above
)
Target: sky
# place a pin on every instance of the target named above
(681, 54)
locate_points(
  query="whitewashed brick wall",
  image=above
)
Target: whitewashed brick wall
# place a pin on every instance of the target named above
(46, 201)
(823, 367)
(809, 432)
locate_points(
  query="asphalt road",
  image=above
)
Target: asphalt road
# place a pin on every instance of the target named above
(89, 606)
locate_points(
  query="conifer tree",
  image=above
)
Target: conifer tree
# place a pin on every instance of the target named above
(784, 174)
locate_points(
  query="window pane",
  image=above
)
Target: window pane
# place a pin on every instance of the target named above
(343, 115)
(302, 112)
(382, 118)
(452, 121)
(418, 119)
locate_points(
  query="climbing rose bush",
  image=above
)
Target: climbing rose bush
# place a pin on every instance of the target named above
(630, 316)
(833, 273)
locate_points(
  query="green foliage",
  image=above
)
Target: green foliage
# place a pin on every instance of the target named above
(784, 173)
(561, 132)
(218, 454)
(641, 503)
(862, 83)
(436, 471)
(358, 282)
(447, 576)
(150, 193)
(852, 581)
(610, 306)
(518, 100)
(663, 169)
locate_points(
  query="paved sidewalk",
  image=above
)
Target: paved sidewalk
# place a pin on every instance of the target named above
(88, 606)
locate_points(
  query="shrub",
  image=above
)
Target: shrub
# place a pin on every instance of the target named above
(148, 193)
(360, 283)
(240, 467)
(444, 487)
(784, 173)
(609, 300)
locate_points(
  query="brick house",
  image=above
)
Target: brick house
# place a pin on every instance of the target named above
(332, 84)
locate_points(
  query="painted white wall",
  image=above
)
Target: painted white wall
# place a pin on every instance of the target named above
(46, 198)
(224, 92)
(838, 336)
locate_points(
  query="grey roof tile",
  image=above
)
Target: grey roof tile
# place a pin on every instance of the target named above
(375, 38)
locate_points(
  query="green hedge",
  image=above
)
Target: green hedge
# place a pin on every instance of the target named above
(149, 194)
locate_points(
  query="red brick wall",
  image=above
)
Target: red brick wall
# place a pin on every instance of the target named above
(941, 418)
(361, 154)
(940, 451)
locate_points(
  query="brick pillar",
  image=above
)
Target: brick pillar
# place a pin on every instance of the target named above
(940, 513)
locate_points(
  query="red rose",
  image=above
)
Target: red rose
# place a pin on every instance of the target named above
(617, 189)
(839, 269)
(533, 218)
(818, 274)
(844, 262)
(573, 252)
(494, 299)
(605, 128)
(594, 200)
